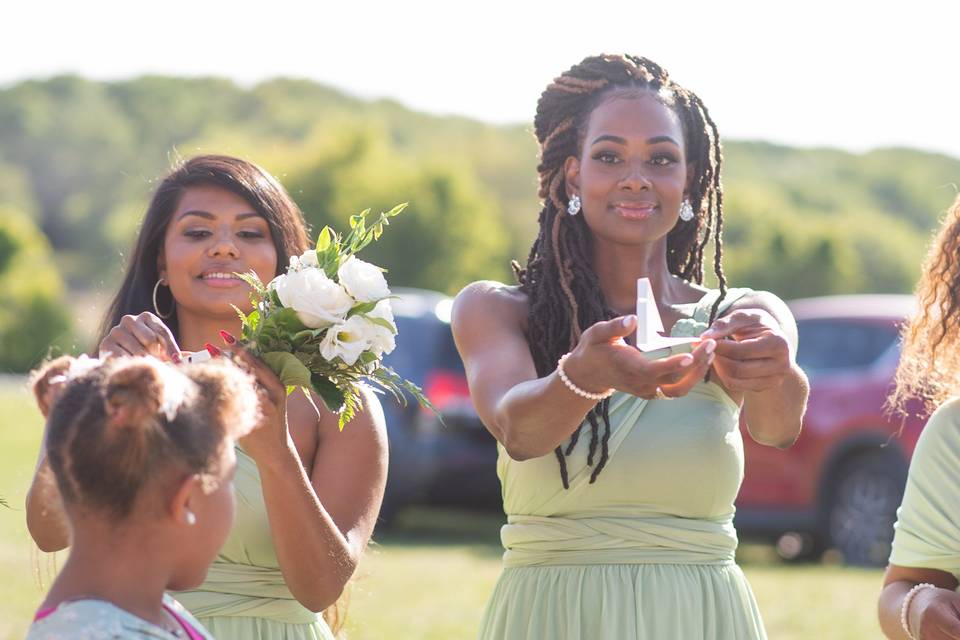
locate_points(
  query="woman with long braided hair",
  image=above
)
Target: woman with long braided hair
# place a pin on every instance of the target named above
(619, 471)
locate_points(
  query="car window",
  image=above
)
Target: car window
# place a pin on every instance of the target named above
(832, 344)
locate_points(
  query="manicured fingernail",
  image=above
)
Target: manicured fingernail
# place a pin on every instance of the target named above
(627, 320)
(686, 360)
(175, 356)
(710, 346)
(227, 337)
(212, 350)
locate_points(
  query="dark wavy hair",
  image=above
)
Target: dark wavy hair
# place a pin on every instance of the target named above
(563, 290)
(252, 183)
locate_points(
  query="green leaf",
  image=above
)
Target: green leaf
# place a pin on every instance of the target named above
(288, 368)
(332, 396)
(383, 322)
(364, 307)
(288, 321)
(324, 240)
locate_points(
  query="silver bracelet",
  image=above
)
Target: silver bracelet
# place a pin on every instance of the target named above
(905, 607)
(577, 390)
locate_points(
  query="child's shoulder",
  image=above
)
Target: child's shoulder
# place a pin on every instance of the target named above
(91, 619)
(81, 619)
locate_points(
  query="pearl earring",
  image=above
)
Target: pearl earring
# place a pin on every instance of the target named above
(190, 517)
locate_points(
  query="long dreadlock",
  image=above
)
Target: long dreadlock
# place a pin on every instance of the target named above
(563, 290)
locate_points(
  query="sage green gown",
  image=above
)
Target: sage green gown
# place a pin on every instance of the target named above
(927, 533)
(647, 551)
(244, 596)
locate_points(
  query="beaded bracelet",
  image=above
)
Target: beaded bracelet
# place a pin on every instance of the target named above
(577, 390)
(905, 607)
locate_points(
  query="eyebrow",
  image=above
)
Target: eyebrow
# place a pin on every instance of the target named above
(619, 140)
(206, 215)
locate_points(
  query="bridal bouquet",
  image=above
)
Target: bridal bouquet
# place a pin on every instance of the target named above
(326, 323)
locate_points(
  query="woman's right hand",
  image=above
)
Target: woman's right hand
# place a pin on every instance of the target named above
(140, 335)
(603, 360)
(935, 614)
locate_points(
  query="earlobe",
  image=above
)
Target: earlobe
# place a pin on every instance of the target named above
(180, 505)
(571, 170)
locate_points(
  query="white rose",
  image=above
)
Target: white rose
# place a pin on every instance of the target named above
(362, 280)
(347, 340)
(382, 340)
(318, 300)
(309, 259)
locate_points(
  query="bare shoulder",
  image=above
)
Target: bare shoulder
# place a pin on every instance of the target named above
(487, 300)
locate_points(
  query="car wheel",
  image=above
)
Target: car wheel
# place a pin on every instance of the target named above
(863, 507)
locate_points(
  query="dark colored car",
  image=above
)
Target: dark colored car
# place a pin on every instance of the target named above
(453, 461)
(837, 487)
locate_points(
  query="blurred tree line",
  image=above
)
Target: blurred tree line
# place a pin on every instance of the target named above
(79, 160)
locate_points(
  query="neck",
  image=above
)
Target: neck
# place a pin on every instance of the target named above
(127, 569)
(195, 330)
(619, 266)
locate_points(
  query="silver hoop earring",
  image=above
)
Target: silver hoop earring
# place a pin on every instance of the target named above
(573, 206)
(686, 211)
(156, 307)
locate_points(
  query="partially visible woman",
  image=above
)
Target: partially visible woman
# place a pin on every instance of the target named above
(308, 495)
(919, 600)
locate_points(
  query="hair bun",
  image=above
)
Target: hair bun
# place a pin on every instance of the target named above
(134, 392)
(45, 381)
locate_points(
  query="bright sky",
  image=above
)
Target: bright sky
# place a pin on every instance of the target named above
(843, 73)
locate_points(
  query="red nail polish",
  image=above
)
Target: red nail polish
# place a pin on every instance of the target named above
(212, 350)
(227, 337)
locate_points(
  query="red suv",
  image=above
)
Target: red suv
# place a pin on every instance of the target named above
(840, 485)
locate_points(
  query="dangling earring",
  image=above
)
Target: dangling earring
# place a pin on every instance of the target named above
(573, 206)
(156, 307)
(686, 211)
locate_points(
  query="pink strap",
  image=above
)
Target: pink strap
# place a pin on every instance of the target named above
(192, 633)
(43, 613)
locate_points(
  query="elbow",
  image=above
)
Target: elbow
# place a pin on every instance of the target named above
(518, 449)
(47, 542)
(320, 599)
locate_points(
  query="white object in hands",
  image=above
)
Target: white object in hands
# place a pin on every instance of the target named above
(197, 356)
(650, 327)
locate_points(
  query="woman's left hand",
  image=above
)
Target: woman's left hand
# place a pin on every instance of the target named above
(271, 434)
(753, 353)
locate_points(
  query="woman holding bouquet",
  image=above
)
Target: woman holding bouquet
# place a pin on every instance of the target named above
(619, 472)
(308, 494)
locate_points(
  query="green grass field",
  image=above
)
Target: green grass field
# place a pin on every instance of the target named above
(429, 577)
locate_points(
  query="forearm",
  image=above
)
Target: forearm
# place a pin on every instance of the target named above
(774, 416)
(46, 520)
(534, 417)
(888, 609)
(316, 558)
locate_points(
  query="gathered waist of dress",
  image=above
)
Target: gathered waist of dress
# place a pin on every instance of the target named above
(553, 541)
(246, 591)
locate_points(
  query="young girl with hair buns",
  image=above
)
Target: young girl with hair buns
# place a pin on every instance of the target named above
(142, 453)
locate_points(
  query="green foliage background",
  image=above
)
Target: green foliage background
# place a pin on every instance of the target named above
(79, 160)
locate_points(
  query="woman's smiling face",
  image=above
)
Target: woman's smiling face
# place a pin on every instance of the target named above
(213, 234)
(632, 173)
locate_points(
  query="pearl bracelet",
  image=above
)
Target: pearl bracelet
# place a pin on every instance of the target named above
(905, 607)
(577, 390)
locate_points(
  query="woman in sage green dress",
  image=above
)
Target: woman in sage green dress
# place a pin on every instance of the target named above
(619, 471)
(919, 599)
(307, 494)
